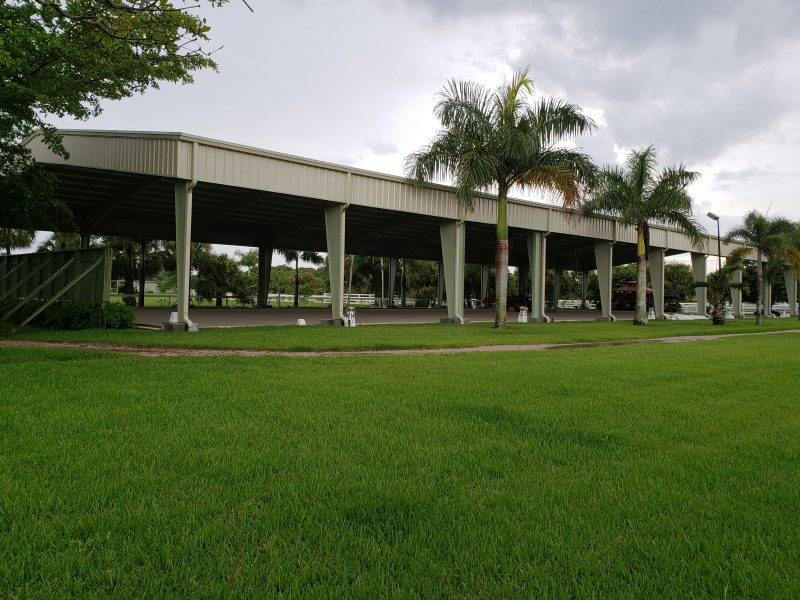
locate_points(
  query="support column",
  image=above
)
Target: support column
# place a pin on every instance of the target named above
(537, 255)
(264, 271)
(736, 295)
(485, 272)
(558, 280)
(699, 274)
(584, 288)
(392, 279)
(334, 236)
(183, 247)
(440, 284)
(452, 236)
(86, 239)
(603, 255)
(791, 290)
(657, 278)
(766, 295)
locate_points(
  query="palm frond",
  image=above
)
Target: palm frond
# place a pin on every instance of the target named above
(509, 101)
(554, 120)
(793, 259)
(609, 194)
(640, 167)
(559, 170)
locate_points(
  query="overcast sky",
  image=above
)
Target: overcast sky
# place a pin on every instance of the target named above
(711, 84)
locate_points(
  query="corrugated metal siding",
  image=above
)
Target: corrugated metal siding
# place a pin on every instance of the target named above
(239, 169)
(171, 155)
(126, 154)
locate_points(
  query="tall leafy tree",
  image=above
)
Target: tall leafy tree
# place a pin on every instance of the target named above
(768, 236)
(639, 195)
(63, 58)
(11, 239)
(494, 141)
(296, 256)
(218, 275)
(133, 259)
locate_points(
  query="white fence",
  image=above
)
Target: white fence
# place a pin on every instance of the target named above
(748, 308)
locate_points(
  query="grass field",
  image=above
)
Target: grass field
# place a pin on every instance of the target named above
(387, 337)
(665, 471)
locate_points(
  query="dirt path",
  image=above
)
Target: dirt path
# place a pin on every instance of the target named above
(142, 351)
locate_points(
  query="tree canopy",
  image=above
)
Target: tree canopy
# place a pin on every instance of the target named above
(501, 139)
(16, 238)
(640, 194)
(63, 58)
(768, 235)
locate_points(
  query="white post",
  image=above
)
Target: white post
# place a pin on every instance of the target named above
(537, 256)
(657, 277)
(183, 247)
(334, 234)
(453, 236)
(440, 284)
(604, 254)
(699, 274)
(791, 290)
(766, 295)
(736, 295)
(264, 268)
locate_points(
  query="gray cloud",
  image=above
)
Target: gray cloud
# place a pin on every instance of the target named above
(711, 83)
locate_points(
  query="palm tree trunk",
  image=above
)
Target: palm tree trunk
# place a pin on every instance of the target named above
(501, 259)
(759, 288)
(297, 280)
(640, 314)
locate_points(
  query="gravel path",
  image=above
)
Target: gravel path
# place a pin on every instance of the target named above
(142, 351)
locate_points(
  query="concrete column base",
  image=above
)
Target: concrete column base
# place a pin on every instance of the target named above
(331, 322)
(542, 319)
(453, 320)
(608, 318)
(180, 327)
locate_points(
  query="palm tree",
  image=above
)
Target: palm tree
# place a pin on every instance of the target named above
(217, 275)
(498, 140)
(767, 236)
(639, 195)
(16, 238)
(60, 240)
(296, 256)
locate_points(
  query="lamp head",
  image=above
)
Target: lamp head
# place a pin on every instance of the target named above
(711, 215)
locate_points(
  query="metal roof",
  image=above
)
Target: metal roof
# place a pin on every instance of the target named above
(122, 183)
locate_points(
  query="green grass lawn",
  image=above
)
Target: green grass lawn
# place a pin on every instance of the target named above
(384, 337)
(664, 471)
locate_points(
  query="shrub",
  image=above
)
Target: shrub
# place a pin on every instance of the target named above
(69, 315)
(72, 315)
(119, 316)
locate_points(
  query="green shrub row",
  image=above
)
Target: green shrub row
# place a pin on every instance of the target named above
(72, 315)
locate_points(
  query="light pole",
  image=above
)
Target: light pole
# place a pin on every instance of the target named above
(711, 215)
